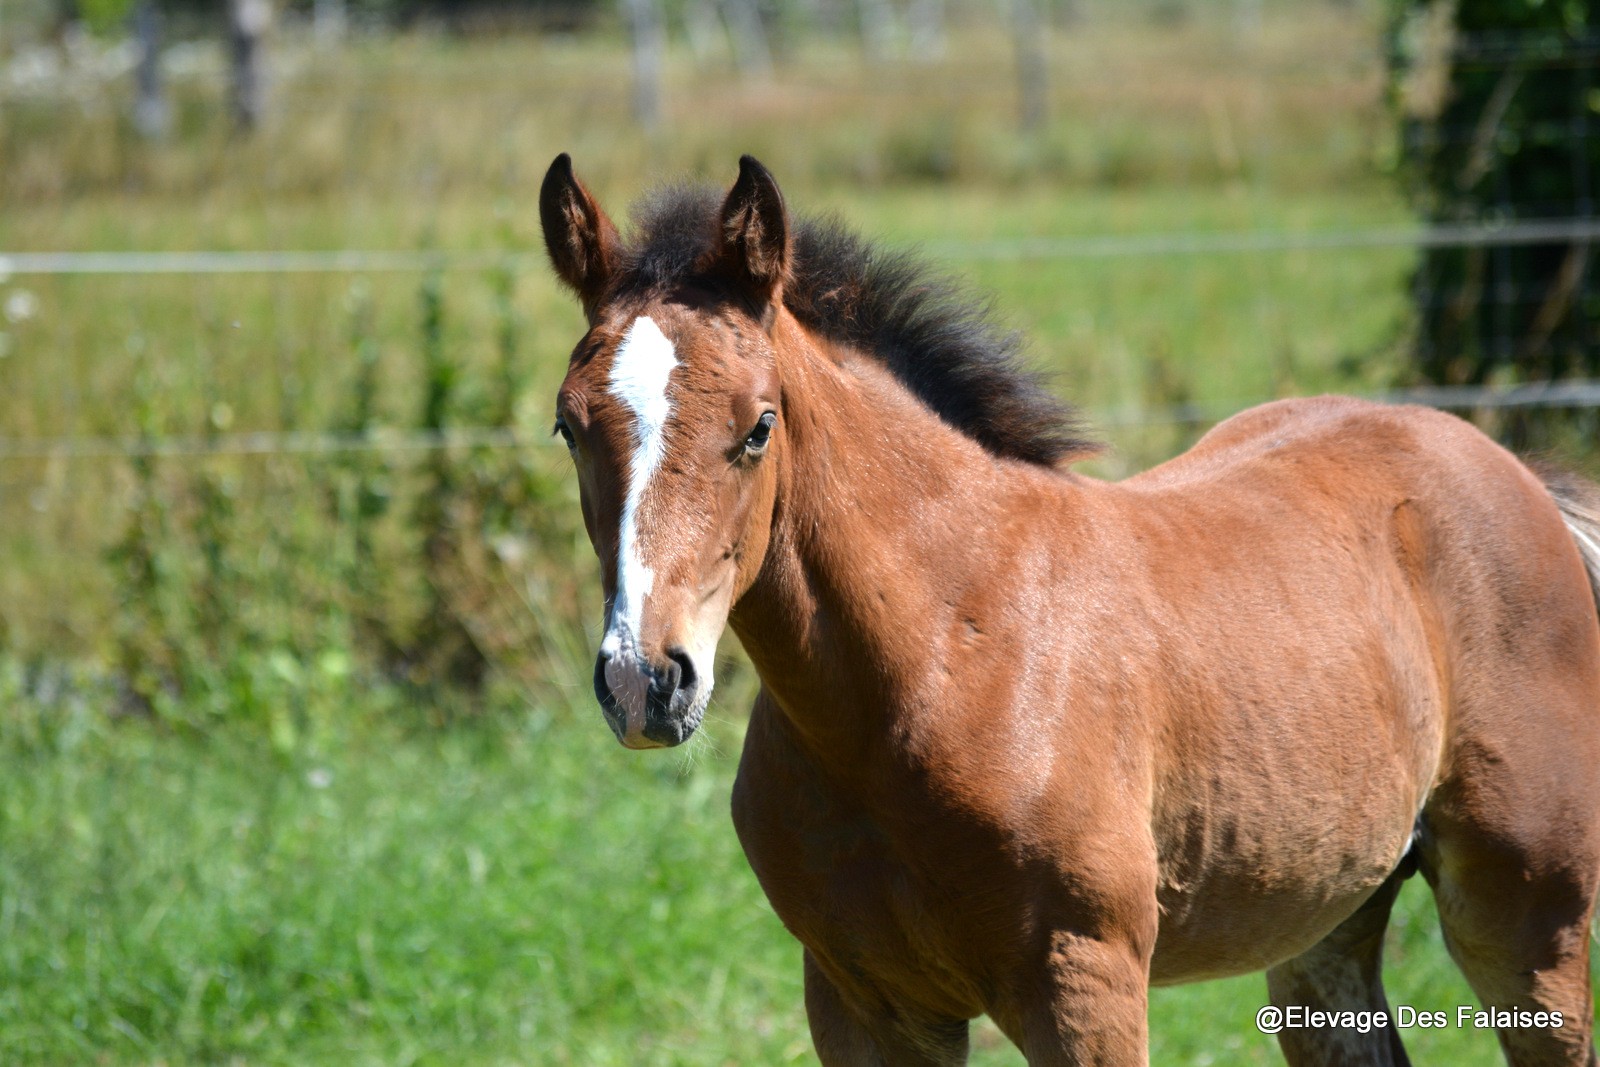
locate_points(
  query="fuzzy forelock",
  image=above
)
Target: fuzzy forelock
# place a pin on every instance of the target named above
(936, 338)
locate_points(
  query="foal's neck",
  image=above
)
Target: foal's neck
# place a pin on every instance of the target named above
(887, 521)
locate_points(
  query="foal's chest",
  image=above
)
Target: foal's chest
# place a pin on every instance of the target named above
(901, 916)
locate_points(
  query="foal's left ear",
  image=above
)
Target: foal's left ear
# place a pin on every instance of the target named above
(753, 243)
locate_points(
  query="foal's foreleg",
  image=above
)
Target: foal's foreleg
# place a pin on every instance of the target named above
(849, 1036)
(1342, 972)
(1089, 1005)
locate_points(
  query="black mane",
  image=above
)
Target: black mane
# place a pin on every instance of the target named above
(936, 339)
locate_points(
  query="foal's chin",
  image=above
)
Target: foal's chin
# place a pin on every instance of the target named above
(664, 735)
(665, 730)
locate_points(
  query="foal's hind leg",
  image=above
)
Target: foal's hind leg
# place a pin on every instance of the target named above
(1342, 972)
(1516, 920)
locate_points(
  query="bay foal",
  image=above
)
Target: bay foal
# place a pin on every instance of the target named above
(1029, 743)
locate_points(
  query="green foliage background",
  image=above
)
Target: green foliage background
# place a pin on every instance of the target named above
(1513, 133)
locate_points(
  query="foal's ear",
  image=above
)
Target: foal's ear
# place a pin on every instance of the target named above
(581, 240)
(753, 243)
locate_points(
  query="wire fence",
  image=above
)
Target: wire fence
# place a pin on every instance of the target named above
(1570, 394)
(1567, 394)
(1470, 235)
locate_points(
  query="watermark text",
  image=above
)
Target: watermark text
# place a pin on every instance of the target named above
(1273, 1019)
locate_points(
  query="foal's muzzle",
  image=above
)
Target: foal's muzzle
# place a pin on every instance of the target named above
(648, 705)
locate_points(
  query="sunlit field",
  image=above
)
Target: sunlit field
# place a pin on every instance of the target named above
(244, 820)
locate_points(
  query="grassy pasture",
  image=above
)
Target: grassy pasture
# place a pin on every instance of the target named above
(311, 862)
(511, 889)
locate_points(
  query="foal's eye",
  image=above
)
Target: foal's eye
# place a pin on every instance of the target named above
(566, 432)
(756, 442)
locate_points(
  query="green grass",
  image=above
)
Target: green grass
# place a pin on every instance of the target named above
(509, 890)
(515, 888)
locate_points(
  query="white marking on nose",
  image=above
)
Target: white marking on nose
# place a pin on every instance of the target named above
(639, 373)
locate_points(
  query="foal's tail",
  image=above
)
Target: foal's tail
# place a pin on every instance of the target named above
(1579, 501)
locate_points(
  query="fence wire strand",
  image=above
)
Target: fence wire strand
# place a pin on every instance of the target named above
(354, 261)
(1566, 394)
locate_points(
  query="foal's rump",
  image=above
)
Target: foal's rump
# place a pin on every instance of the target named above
(1390, 627)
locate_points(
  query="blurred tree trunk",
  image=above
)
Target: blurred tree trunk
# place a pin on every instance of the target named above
(248, 22)
(151, 115)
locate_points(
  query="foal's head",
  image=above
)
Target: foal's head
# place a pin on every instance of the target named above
(671, 408)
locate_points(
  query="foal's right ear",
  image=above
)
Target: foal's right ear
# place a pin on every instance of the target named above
(753, 235)
(581, 240)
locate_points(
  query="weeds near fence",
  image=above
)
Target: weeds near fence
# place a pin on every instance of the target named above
(255, 589)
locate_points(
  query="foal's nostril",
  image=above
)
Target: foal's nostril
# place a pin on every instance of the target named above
(602, 688)
(685, 665)
(667, 679)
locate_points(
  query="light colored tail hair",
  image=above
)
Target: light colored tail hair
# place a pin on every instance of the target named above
(1579, 501)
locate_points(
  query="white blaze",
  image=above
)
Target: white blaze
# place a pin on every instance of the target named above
(639, 373)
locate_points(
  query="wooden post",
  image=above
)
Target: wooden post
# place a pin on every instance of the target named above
(750, 49)
(327, 22)
(703, 28)
(248, 22)
(151, 115)
(1033, 75)
(644, 19)
(925, 22)
(878, 28)
(1247, 16)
